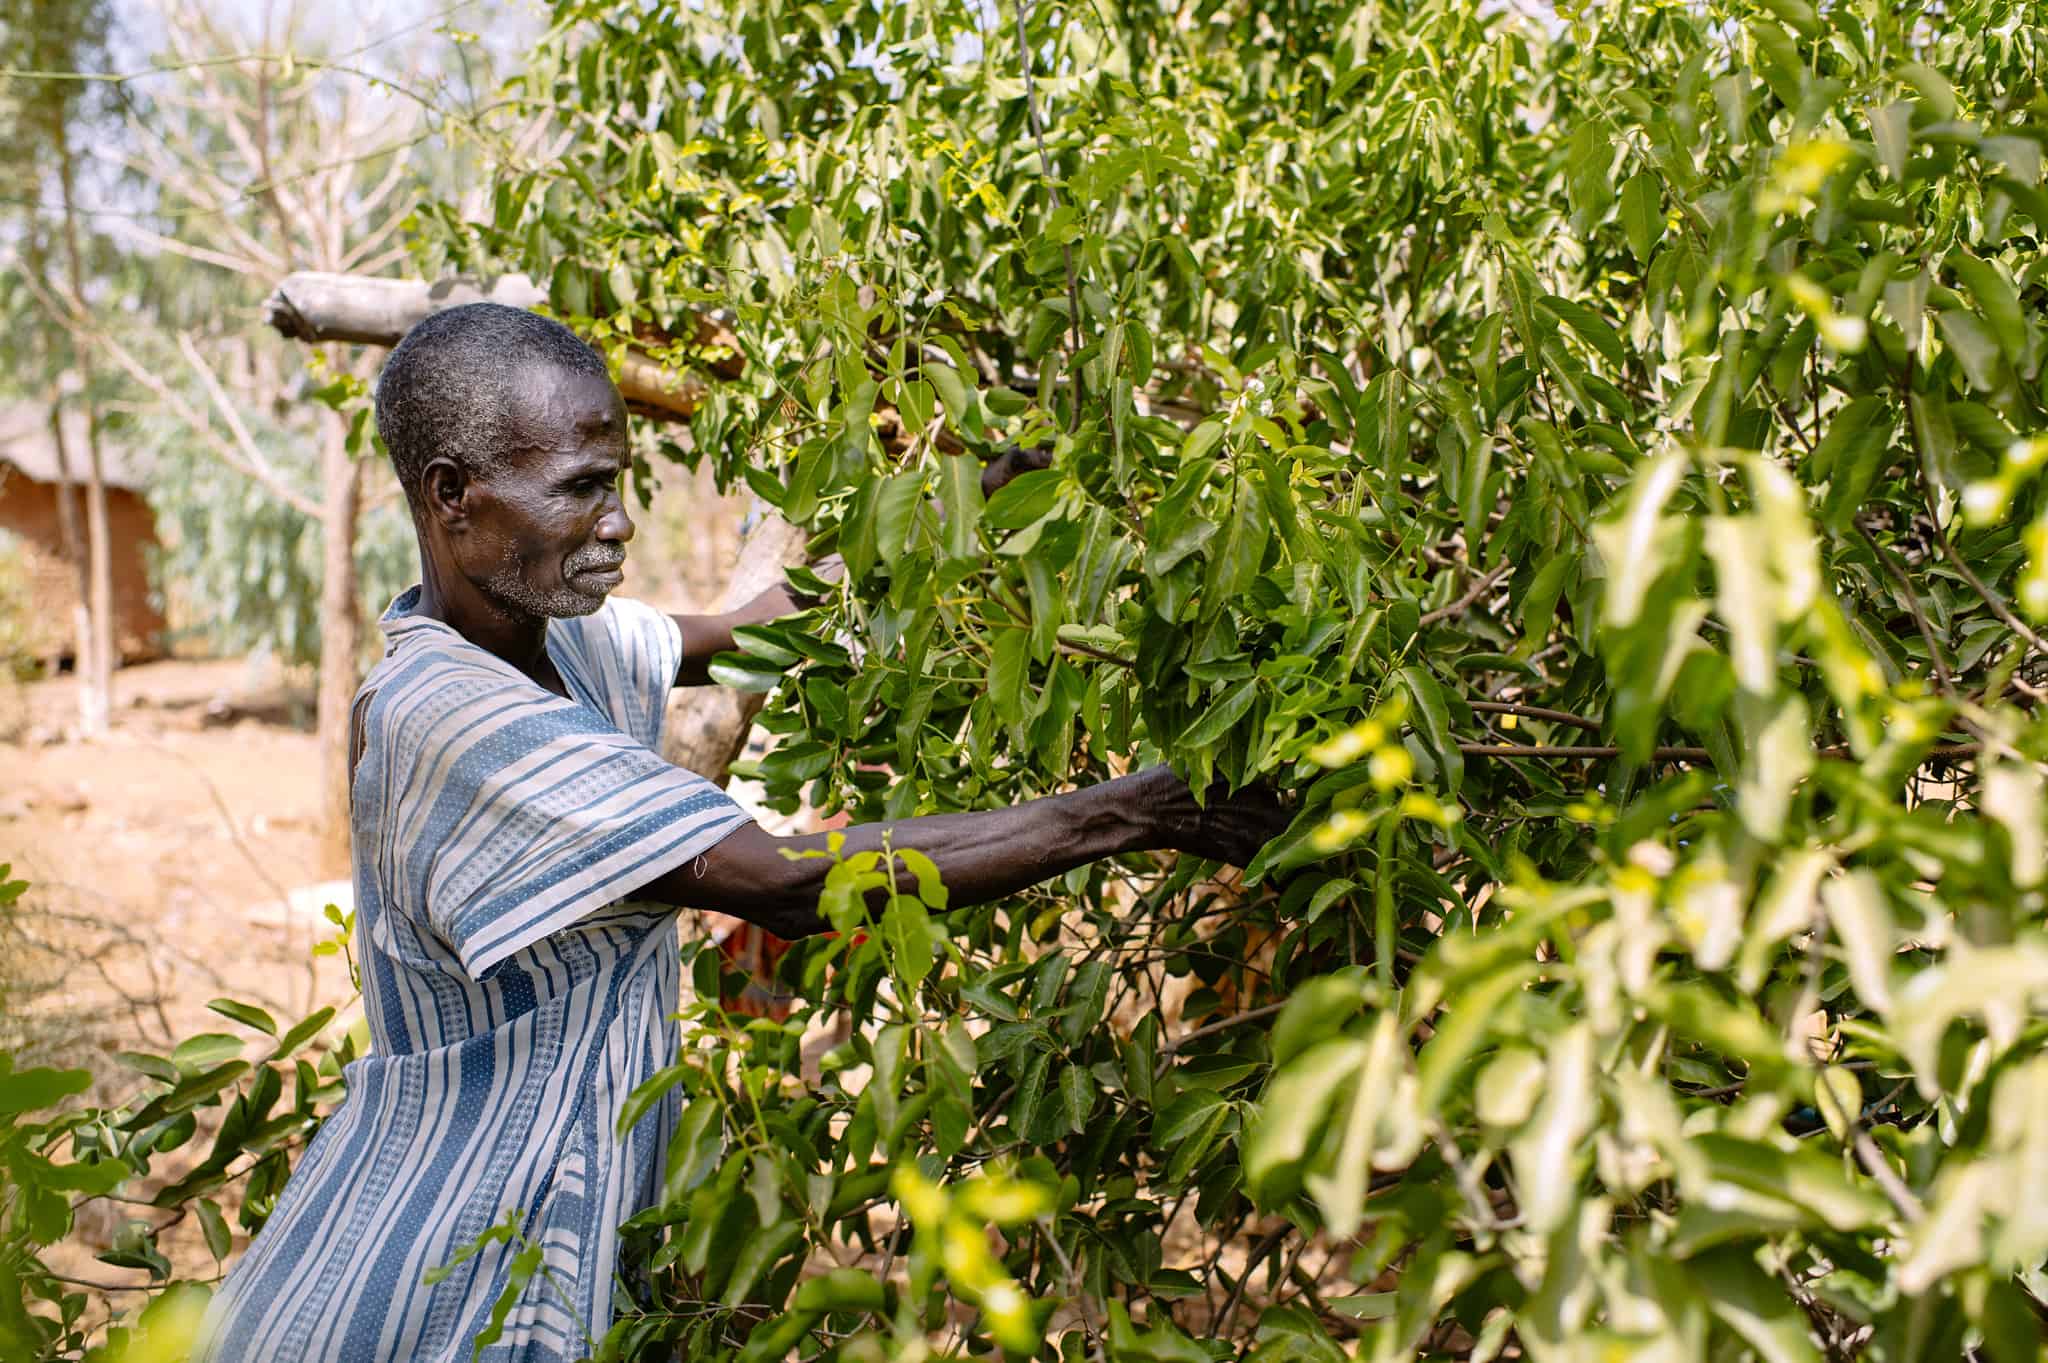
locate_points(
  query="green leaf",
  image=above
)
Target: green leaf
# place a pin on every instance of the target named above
(842, 1289)
(302, 1032)
(1222, 716)
(960, 496)
(693, 1150)
(30, 1090)
(744, 672)
(1595, 330)
(952, 392)
(1023, 500)
(930, 888)
(1031, 1094)
(1008, 663)
(1932, 87)
(1291, 1115)
(525, 1264)
(1750, 1303)
(907, 928)
(1891, 130)
(206, 1050)
(248, 1014)
(895, 507)
(1642, 214)
(646, 1095)
(1316, 1011)
(1077, 1097)
(1851, 456)
(1999, 301)
(1434, 718)
(214, 1226)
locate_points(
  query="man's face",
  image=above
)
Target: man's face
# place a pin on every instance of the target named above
(550, 527)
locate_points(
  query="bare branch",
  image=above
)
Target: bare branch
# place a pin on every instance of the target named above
(72, 314)
(254, 461)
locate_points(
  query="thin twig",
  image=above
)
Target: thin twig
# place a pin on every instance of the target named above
(1879, 1168)
(1478, 589)
(1211, 1028)
(1507, 707)
(1669, 754)
(1977, 584)
(1259, 1251)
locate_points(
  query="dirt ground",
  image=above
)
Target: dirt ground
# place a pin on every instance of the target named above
(176, 860)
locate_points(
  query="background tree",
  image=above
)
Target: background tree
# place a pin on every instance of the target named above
(295, 153)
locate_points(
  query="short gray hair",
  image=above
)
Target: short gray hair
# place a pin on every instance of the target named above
(448, 390)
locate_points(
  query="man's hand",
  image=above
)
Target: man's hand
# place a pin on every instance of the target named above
(1229, 828)
(1012, 461)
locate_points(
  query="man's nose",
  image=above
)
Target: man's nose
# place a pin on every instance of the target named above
(616, 527)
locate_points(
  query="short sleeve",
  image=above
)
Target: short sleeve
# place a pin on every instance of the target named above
(520, 813)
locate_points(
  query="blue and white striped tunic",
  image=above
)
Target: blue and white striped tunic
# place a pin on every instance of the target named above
(513, 1002)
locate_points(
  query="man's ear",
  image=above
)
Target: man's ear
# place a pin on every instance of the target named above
(444, 488)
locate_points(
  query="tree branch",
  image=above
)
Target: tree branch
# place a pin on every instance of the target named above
(1464, 603)
(1544, 751)
(253, 461)
(1508, 707)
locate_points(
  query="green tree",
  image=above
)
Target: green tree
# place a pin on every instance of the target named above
(1596, 469)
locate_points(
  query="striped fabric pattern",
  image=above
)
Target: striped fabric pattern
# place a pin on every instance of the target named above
(513, 1002)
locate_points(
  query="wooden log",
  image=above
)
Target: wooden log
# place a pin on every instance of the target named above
(313, 306)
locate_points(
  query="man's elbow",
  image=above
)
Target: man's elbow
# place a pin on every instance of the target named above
(757, 882)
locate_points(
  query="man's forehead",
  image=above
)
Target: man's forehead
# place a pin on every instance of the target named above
(552, 402)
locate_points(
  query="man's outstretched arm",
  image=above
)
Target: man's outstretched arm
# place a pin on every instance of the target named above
(982, 855)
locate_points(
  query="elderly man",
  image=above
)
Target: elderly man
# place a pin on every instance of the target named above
(520, 852)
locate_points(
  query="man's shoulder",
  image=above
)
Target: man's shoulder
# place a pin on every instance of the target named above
(438, 671)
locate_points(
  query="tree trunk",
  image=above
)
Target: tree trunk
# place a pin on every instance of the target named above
(96, 692)
(341, 624)
(96, 665)
(71, 531)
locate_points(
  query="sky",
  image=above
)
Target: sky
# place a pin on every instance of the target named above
(384, 37)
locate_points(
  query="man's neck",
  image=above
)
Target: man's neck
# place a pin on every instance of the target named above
(520, 639)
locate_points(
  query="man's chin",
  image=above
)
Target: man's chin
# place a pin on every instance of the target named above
(569, 606)
(583, 594)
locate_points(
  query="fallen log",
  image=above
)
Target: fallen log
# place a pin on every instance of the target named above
(313, 306)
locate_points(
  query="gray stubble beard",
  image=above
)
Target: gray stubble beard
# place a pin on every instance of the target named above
(507, 585)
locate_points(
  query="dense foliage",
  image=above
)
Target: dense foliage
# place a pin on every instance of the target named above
(1592, 469)
(1597, 471)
